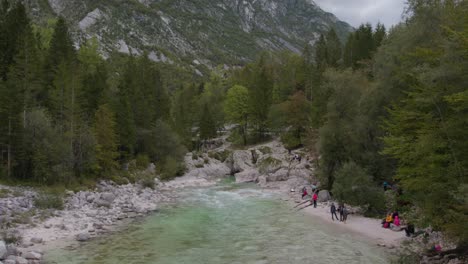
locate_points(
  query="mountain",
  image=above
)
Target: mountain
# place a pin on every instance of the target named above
(203, 33)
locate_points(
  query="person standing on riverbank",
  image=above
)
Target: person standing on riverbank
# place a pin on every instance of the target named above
(333, 211)
(345, 213)
(314, 199)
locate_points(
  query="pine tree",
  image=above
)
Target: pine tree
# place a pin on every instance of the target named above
(106, 139)
(126, 126)
(237, 109)
(261, 95)
(207, 124)
(334, 49)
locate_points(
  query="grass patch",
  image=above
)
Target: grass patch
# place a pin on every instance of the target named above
(49, 201)
(11, 237)
(220, 155)
(265, 150)
(4, 193)
(267, 164)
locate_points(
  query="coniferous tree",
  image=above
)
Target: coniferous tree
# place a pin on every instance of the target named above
(207, 124)
(334, 49)
(106, 139)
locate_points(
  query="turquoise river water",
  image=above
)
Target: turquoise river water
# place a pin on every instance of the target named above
(226, 224)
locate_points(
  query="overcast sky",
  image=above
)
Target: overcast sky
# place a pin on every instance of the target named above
(356, 12)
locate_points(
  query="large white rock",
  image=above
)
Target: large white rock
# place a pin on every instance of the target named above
(90, 19)
(33, 255)
(249, 175)
(3, 250)
(279, 175)
(324, 196)
(109, 197)
(21, 260)
(241, 161)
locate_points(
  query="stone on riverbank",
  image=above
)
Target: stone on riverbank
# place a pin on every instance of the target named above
(32, 255)
(324, 196)
(3, 250)
(36, 240)
(83, 237)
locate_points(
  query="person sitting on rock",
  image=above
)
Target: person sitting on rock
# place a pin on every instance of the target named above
(304, 192)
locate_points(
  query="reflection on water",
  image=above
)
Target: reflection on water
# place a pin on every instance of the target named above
(227, 224)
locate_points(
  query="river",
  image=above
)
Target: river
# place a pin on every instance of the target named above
(226, 224)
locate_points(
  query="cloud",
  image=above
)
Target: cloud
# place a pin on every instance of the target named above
(356, 12)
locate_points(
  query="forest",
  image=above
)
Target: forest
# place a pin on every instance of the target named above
(387, 105)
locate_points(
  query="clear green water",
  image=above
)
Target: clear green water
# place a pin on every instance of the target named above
(226, 225)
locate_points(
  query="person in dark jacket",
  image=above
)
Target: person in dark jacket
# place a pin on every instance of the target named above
(333, 211)
(340, 210)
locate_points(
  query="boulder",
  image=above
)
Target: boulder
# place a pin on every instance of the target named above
(21, 260)
(83, 237)
(262, 180)
(324, 196)
(32, 255)
(90, 198)
(269, 165)
(101, 202)
(250, 175)
(3, 250)
(36, 240)
(108, 197)
(241, 160)
(10, 261)
(280, 175)
(13, 251)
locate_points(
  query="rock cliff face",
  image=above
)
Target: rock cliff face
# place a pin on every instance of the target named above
(203, 33)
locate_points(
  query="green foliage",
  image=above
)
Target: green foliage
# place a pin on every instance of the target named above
(142, 161)
(427, 126)
(106, 139)
(268, 163)
(265, 150)
(220, 155)
(237, 109)
(207, 124)
(49, 201)
(171, 168)
(354, 186)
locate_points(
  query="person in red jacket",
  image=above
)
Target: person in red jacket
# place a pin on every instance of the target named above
(314, 199)
(304, 192)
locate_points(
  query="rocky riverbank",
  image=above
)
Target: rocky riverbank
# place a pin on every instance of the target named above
(30, 231)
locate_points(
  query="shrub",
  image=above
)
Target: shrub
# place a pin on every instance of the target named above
(4, 193)
(265, 150)
(147, 181)
(266, 165)
(170, 169)
(142, 161)
(49, 201)
(290, 140)
(10, 237)
(194, 156)
(354, 186)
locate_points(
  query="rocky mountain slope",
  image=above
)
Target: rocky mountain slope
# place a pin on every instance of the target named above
(202, 32)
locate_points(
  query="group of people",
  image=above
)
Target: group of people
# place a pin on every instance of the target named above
(342, 210)
(393, 222)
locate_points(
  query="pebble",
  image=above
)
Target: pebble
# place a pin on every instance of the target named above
(36, 240)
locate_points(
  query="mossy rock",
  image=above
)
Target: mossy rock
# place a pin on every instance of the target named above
(269, 165)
